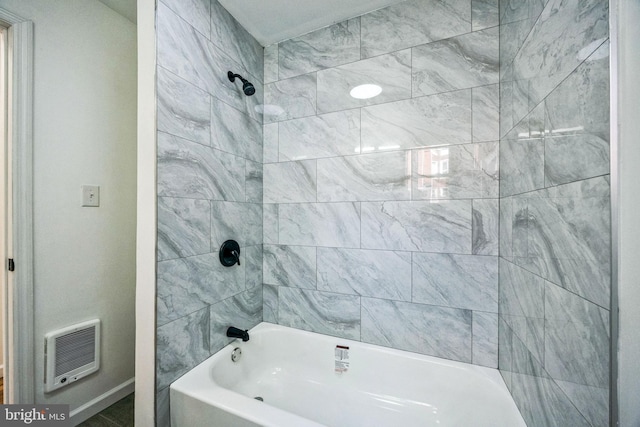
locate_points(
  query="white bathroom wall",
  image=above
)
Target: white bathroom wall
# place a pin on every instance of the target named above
(84, 133)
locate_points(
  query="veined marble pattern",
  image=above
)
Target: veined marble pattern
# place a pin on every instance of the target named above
(253, 182)
(592, 402)
(270, 143)
(163, 417)
(327, 47)
(270, 223)
(417, 226)
(457, 281)
(380, 274)
(484, 14)
(187, 169)
(183, 109)
(567, 31)
(420, 122)
(196, 12)
(576, 338)
(253, 266)
(366, 177)
(485, 339)
(456, 172)
(323, 312)
(320, 224)
(485, 237)
(181, 345)
(392, 72)
(290, 182)
(460, 62)
(574, 157)
(270, 303)
(412, 23)
(426, 329)
(243, 311)
(505, 351)
(184, 227)
(233, 39)
(521, 163)
(238, 221)
(185, 285)
(235, 132)
(293, 266)
(271, 71)
(324, 135)
(485, 102)
(506, 227)
(292, 98)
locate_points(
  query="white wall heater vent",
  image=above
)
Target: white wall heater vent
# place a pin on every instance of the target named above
(70, 354)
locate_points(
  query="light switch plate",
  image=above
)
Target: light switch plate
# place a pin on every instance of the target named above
(90, 196)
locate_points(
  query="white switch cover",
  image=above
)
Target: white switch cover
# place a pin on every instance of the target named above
(90, 196)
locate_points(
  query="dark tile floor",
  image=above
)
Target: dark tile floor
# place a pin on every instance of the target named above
(120, 414)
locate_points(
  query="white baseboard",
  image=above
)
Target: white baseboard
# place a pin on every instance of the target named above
(102, 402)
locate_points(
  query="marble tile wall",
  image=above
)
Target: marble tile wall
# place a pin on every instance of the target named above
(380, 216)
(555, 225)
(209, 186)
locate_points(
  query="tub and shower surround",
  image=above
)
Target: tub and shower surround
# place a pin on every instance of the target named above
(209, 186)
(381, 215)
(555, 227)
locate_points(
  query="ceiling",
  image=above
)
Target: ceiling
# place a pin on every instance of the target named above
(126, 8)
(275, 20)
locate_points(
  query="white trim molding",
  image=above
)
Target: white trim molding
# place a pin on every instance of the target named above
(102, 402)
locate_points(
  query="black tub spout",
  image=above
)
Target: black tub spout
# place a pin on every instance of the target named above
(238, 333)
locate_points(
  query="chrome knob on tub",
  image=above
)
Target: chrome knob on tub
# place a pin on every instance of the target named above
(236, 354)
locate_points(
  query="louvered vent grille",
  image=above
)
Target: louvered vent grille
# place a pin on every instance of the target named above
(75, 350)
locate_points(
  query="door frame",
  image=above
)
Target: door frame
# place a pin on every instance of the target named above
(19, 306)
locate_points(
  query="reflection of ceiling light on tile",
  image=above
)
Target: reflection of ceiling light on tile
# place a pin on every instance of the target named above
(589, 51)
(388, 147)
(269, 109)
(365, 91)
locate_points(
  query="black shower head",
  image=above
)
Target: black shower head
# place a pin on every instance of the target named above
(247, 87)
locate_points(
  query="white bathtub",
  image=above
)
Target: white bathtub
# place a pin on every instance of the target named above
(295, 373)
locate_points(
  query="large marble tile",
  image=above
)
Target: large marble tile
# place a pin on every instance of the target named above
(324, 135)
(180, 346)
(485, 103)
(568, 31)
(235, 41)
(425, 329)
(460, 62)
(543, 404)
(569, 238)
(291, 98)
(485, 227)
(574, 157)
(270, 143)
(320, 224)
(379, 274)
(195, 12)
(183, 109)
(576, 338)
(191, 56)
(524, 361)
(485, 339)
(417, 226)
(506, 227)
(505, 351)
(253, 266)
(592, 402)
(392, 72)
(253, 182)
(484, 14)
(270, 303)
(290, 182)
(184, 227)
(365, 177)
(293, 266)
(412, 23)
(271, 72)
(270, 223)
(456, 172)
(323, 312)
(187, 169)
(327, 47)
(235, 132)
(188, 284)
(521, 163)
(420, 122)
(456, 281)
(238, 221)
(244, 311)
(512, 36)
